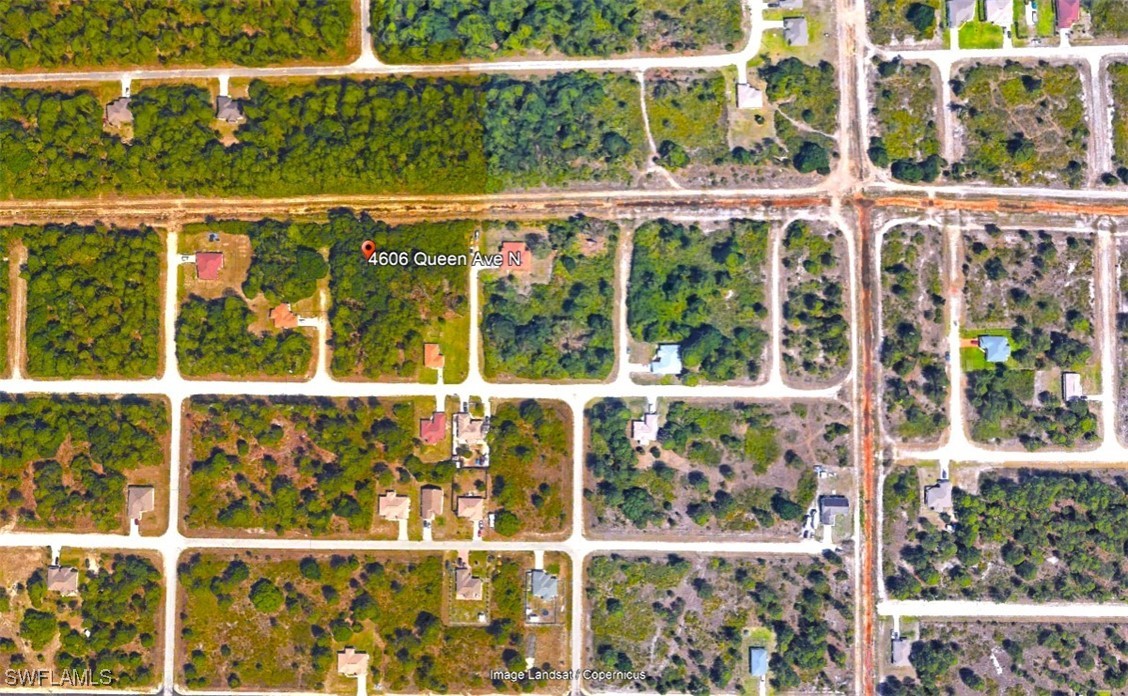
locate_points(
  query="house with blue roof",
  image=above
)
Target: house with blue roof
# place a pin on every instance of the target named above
(758, 662)
(997, 348)
(667, 361)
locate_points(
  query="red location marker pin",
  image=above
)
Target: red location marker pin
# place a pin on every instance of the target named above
(367, 249)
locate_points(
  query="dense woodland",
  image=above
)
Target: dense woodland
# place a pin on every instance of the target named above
(436, 31)
(213, 338)
(93, 300)
(112, 625)
(561, 328)
(5, 299)
(73, 455)
(706, 291)
(680, 620)
(89, 33)
(382, 315)
(816, 336)
(301, 465)
(1005, 535)
(396, 135)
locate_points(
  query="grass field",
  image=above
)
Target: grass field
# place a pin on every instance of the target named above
(981, 35)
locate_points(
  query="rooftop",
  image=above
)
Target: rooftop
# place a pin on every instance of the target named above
(667, 360)
(902, 648)
(758, 662)
(1068, 12)
(430, 502)
(997, 348)
(229, 110)
(466, 585)
(139, 500)
(118, 113)
(748, 97)
(795, 31)
(831, 506)
(394, 507)
(543, 585)
(283, 317)
(515, 258)
(471, 507)
(433, 356)
(938, 498)
(433, 429)
(351, 663)
(62, 580)
(208, 264)
(645, 431)
(469, 430)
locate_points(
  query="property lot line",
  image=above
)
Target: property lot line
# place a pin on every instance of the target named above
(951, 609)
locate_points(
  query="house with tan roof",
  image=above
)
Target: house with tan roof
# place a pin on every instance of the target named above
(138, 501)
(471, 507)
(467, 587)
(351, 663)
(62, 580)
(394, 507)
(468, 430)
(430, 502)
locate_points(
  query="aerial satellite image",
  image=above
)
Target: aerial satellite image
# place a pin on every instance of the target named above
(564, 347)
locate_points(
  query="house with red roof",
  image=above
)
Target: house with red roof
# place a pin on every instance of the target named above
(208, 264)
(515, 258)
(1068, 12)
(432, 430)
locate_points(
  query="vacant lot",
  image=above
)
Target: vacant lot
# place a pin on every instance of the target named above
(906, 138)
(436, 32)
(688, 113)
(274, 621)
(688, 621)
(966, 658)
(716, 468)
(1022, 536)
(913, 342)
(1036, 289)
(113, 623)
(706, 289)
(531, 468)
(65, 461)
(1118, 75)
(87, 33)
(1022, 124)
(896, 22)
(93, 300)
(382, 315)
(816, 335)
(553, 321)
(1122, 331)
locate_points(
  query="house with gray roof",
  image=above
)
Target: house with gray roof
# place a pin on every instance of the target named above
(229, 110)
(118, 113)
(542, 585)
(831, 506)
(938, 498)
(960, 11)
(758, 662)
(795, 31)
(902, 648)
